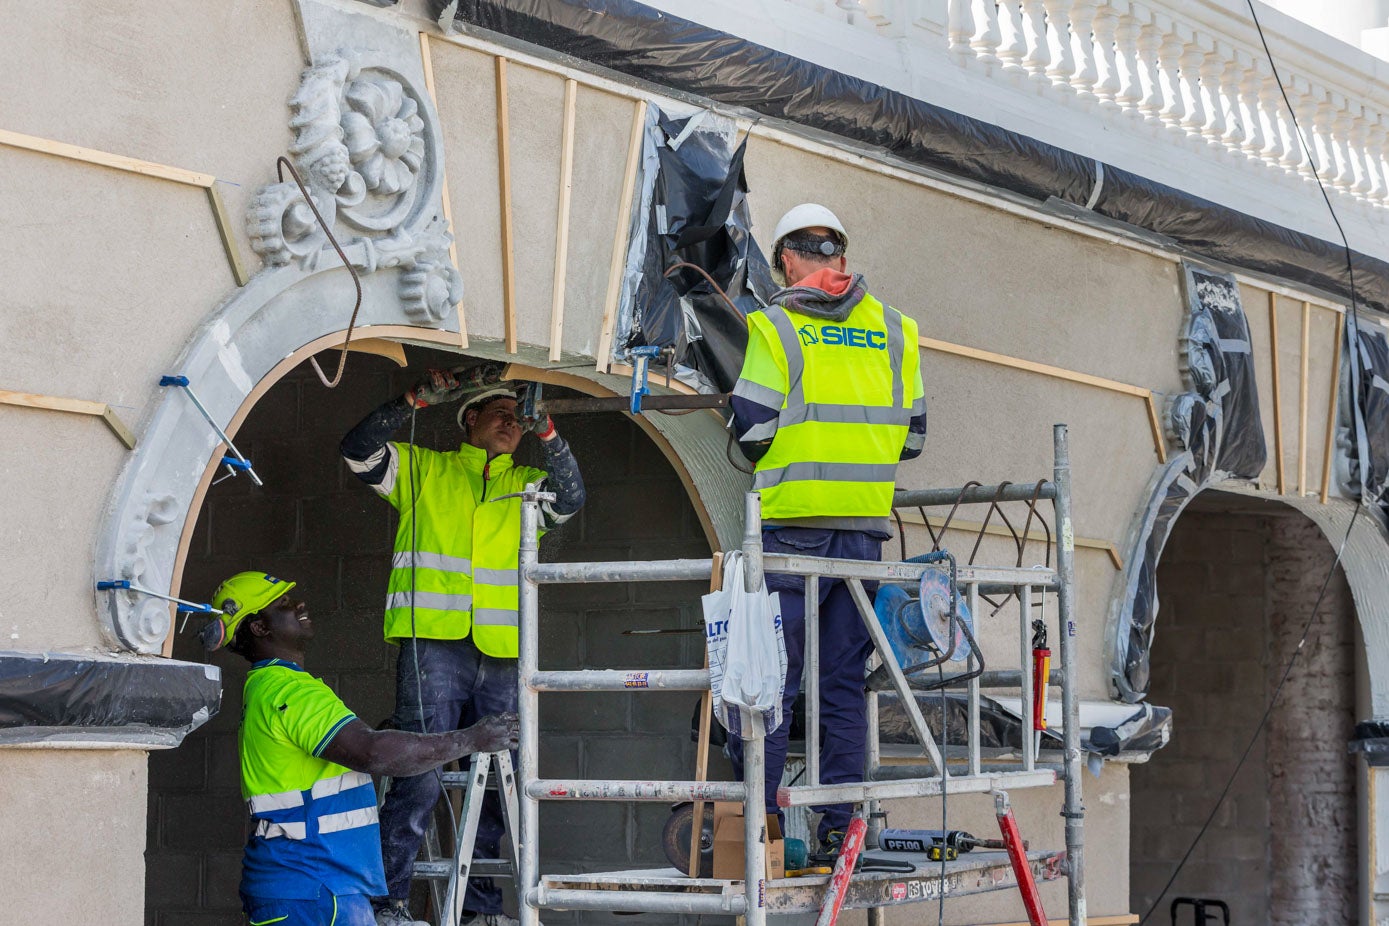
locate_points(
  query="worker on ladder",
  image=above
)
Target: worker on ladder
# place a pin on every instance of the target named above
(828, 402)
(314, 855)
(453, 591)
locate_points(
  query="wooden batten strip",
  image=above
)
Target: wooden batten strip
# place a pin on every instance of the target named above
(508, 234)
(219, 215)
(105, 159)
(1330, 446)
(427, 60)
(74, 406)
(566, 189)
(1155, 426)
(620, 235)
(1277, 394)
(1071, 376)
(1302, 399)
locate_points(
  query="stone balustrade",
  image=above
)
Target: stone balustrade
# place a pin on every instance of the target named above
(1193, 73)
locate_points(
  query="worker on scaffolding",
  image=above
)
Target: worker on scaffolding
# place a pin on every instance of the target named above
(828, 402)
(453, 591)
(314, 855)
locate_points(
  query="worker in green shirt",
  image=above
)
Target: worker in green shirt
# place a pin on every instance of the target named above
(314, 855)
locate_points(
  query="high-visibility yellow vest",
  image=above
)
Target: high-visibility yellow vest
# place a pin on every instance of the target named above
(846, 392)
(466, 543)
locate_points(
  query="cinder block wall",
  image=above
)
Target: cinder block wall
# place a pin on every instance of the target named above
(313, 522)
(1236, 591)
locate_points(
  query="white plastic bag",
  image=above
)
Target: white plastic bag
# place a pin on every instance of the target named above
(747, 652)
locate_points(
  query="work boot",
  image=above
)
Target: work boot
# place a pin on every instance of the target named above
(396, 913)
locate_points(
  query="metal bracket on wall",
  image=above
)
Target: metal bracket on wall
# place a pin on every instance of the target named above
(76, 406)
(235, 463)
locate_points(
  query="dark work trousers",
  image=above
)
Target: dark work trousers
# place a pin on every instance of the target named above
(844, 649)
(460, 686)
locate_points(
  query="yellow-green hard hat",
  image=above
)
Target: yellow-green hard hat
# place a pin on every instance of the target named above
(242, 595)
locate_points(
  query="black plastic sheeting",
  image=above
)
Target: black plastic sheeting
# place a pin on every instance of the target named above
(1217, 427)
(156, 702)
(650, 45)
(1365, 421)
(698, 215)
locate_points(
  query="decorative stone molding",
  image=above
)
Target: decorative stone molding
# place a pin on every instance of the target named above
(371, 163)
(1216, 428)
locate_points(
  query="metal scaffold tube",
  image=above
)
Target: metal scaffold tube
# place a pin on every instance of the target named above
(974, 495)
(528, 706)
(1074, 809)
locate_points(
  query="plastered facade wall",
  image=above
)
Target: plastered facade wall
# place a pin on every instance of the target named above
(61, 805)
(1237, 591)
(110, 276)
(317, 524)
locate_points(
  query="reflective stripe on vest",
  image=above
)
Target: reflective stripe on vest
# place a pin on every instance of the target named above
(322, 789)
(842, 423)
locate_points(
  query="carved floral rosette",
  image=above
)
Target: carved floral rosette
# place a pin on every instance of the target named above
(366, 148)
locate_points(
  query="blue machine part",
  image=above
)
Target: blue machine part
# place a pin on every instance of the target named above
(919, 635)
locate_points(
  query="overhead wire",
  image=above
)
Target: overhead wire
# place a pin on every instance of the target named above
(1359, 504)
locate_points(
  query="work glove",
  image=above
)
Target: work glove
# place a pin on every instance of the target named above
(439, 387)
(544, 428)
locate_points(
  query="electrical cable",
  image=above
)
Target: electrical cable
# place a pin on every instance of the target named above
(1359, 504)
(412, 468)
(281, 163)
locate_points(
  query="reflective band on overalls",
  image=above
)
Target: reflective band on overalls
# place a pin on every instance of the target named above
(843, 418)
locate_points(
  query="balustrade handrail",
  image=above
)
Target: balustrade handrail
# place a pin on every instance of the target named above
(1194, 71)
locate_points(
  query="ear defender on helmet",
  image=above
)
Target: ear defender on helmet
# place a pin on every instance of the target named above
(214, 635)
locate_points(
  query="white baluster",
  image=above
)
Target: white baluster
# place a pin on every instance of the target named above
(960, 27)
(1193, 54)
(1034, 30)
(1150, 34)
(1083, 46)
(986, 37)
(1282, 144)
(1317, 130)
(1169, 57)
(1127, 62)
(1358, 132)
(1230, 91)
(1253, 140)
(1011, 46)
(1374, 152)
(1106, 23)
(1062, 64)
(1210, 70)
(1341, 123)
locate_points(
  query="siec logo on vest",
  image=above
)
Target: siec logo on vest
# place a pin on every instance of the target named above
(838, 336)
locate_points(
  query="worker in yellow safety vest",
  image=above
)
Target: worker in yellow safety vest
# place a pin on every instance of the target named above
(313, 857)
(452, 597)
(828, 402)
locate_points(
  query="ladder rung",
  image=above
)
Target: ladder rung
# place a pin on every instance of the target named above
(556, 789)
(442, 869)
(642, 901)
(620, 680)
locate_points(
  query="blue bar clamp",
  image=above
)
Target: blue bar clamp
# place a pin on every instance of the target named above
(236, 461)
(641, 358)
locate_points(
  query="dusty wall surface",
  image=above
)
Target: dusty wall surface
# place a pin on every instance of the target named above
(316, 524)
(1237, 590)
(61, 804)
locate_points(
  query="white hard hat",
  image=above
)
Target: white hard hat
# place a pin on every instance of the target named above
(806, 215)
(479, 399)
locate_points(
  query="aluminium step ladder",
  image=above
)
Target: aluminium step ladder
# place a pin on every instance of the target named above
(447, 875)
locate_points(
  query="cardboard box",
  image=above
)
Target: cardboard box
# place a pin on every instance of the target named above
(728, 843)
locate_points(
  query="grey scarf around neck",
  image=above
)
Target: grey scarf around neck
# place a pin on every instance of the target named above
(817, 303)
